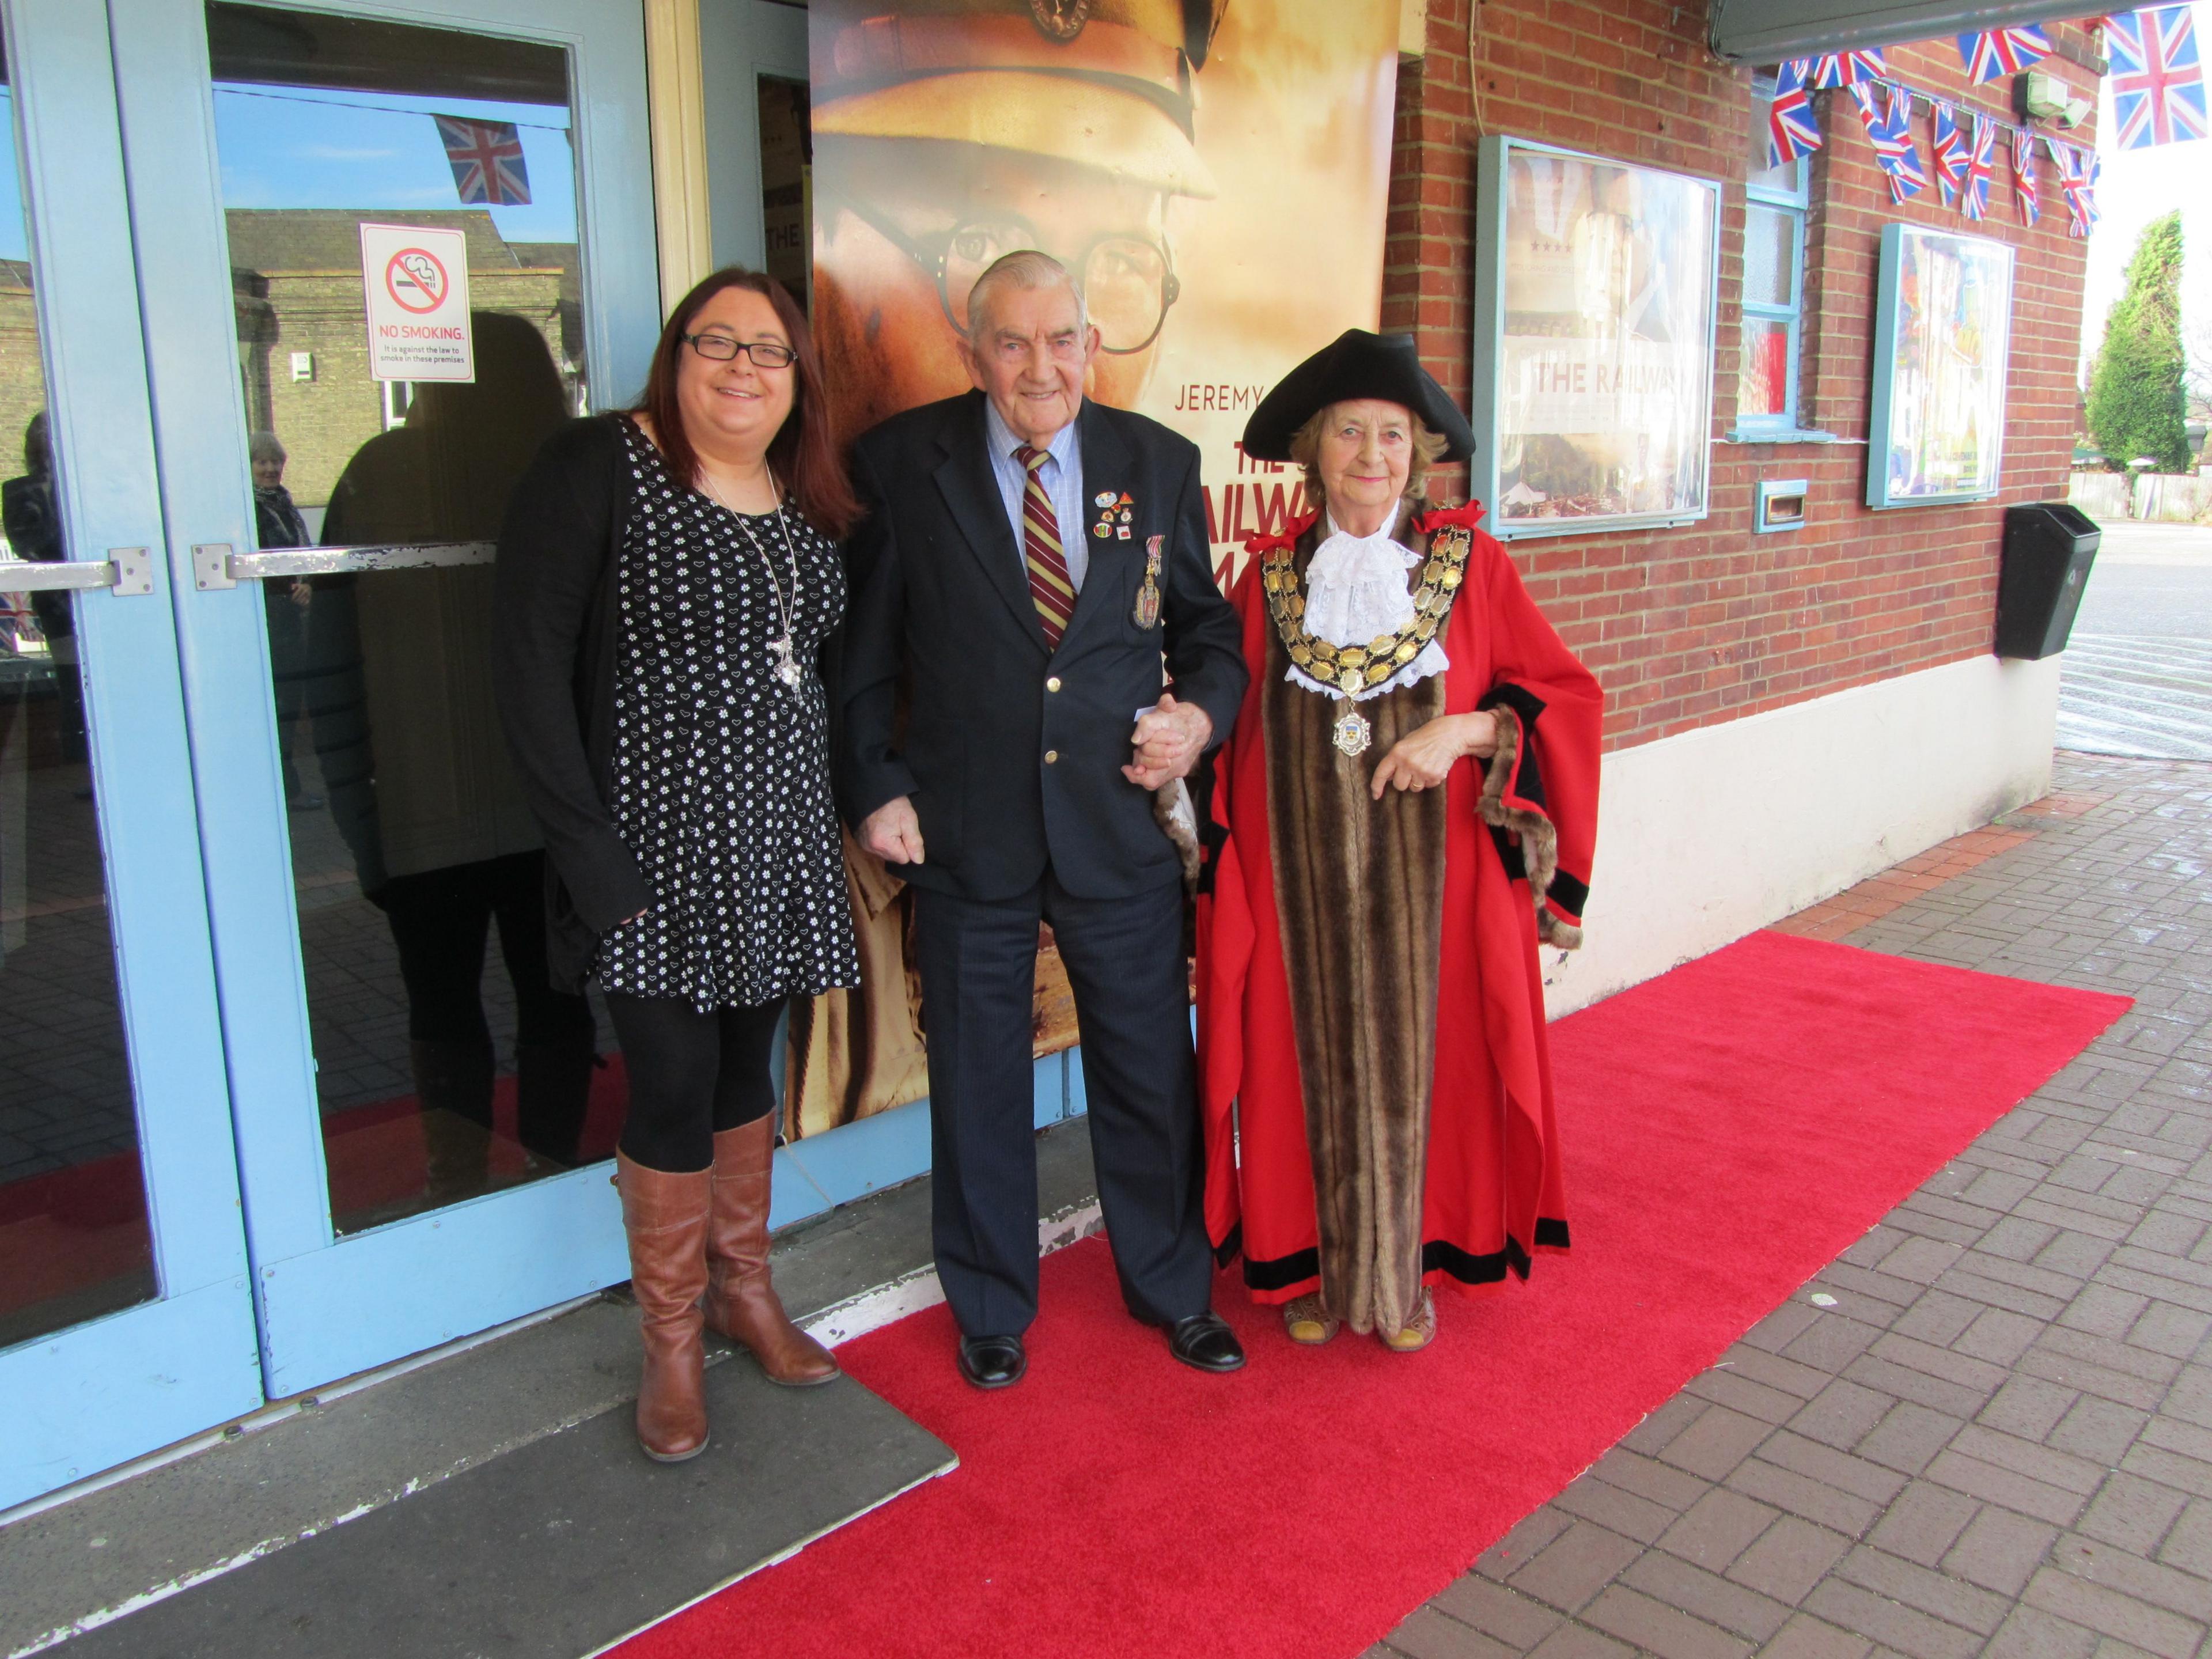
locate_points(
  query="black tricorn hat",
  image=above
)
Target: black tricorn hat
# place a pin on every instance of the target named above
(1356, 364)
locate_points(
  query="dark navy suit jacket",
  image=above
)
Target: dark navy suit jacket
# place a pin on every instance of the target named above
(1013, 755)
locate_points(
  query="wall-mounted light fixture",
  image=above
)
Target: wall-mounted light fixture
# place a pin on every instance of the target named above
(2040, 95)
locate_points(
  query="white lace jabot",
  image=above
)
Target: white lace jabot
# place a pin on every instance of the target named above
(1356, 592)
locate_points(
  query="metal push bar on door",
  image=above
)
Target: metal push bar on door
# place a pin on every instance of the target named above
(126, 570)
(214, 565)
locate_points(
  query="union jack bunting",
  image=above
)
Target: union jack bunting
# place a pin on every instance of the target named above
(1951, 155)
(1791, 132)
(486, 160)
(2078, 172)
(1887, 111)
(2157, 79)
(1847, 69)
(1995, 53)
(2024, 189)
(1974, 202)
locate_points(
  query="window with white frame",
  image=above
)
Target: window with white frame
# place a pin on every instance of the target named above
(1775, 200)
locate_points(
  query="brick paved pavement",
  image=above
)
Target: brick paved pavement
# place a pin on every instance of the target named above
(1987, 1427)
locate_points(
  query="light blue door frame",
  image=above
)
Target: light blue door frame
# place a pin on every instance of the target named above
(109, 1390)
(331, 1306)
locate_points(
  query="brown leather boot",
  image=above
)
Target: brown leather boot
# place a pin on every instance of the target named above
(741, 1300)
(665, 1215)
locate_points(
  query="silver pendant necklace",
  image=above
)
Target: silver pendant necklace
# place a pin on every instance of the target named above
(783, 654)
(1352, 733)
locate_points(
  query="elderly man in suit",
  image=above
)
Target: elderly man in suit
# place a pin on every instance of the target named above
(1027, 560)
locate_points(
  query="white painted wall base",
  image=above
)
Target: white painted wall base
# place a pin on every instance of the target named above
(1707, 836)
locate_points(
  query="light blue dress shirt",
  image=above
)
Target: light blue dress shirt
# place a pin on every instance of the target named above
(1063, 482)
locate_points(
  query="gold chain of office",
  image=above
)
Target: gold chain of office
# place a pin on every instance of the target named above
(1351, 668)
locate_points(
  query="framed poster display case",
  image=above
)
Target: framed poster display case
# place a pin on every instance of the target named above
(1594, 300)
(1942, 320)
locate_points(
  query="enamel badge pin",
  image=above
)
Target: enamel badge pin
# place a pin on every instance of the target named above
(1146, 613)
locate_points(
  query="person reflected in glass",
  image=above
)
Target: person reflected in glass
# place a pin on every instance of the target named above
(417, 777)
(31, 518)
(278, 522)
(669, 581)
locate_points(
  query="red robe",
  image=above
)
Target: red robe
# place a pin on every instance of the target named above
(1492, 1191)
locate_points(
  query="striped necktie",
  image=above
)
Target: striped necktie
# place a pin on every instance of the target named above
(1050, 585)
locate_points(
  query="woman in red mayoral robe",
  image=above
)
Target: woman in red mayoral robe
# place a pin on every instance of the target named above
(1410, 803)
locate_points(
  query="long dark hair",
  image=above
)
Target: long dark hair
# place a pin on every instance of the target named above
(803, 456)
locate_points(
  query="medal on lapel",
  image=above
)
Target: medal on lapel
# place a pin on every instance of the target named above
(1103, 501)
(1146, 614)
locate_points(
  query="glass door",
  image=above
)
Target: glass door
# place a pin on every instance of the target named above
(126, 1321)
(400, 248)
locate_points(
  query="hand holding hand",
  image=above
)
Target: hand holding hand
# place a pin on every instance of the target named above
(892, 832)
(1423, 757)
(1170, 737)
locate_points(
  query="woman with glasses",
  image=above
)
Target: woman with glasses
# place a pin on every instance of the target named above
(1410, 798)
(668, 580)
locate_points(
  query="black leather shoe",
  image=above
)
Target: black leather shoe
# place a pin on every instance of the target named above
(1204, 1340)
(994, 1362)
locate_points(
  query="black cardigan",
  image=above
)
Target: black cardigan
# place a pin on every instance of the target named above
(553, 659)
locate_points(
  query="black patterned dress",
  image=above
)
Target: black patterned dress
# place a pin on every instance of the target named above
(721, 771)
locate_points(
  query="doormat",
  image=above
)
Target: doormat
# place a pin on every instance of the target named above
(558, 1548)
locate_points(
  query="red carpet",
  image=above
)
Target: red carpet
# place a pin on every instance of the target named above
(1730, 1128)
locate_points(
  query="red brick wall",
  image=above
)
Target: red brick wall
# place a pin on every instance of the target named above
(1690, 627)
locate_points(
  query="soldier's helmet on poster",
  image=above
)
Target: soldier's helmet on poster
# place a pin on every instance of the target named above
(949, 132)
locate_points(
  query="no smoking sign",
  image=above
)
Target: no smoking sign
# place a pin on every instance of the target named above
(416, 281)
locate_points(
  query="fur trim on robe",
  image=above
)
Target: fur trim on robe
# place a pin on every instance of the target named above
(1449, 1060)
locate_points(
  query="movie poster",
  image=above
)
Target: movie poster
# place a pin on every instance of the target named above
(1944, 315)
(1215, 170)
(1595, 341)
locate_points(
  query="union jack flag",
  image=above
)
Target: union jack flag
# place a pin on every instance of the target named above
(2157, 78)
(1846, 69)
(1889, 129)
(2078, 173)
(2024, 189)
(1994, 52)
(1975, 202)
(1791, 132)
(486, 160)
(1951, 155)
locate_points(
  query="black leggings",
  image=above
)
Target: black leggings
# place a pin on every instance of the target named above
(691, 1075)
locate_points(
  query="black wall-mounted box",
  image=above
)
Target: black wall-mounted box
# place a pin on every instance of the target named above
(2049, 548)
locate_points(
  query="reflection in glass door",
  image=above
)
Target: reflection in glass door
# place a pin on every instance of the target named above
(446, 1066)
(416, 1103)
(74, 1241)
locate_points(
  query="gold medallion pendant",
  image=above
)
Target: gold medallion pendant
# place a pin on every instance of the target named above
(1348, 670)
(1351, 733)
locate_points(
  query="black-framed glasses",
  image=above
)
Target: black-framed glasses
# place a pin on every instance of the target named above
(1128, 283)
(721, 349)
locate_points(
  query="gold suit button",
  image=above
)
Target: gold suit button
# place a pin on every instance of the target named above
(1052, 684)
(1050, 755)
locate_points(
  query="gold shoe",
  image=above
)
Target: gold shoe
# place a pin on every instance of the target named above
(1308, 1322)
(1420, 1331)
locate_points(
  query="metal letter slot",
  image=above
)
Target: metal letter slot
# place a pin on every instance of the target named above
(214, 565)
(126, 570)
